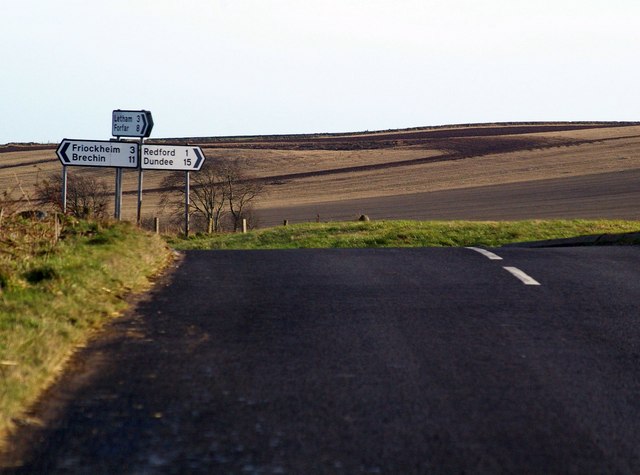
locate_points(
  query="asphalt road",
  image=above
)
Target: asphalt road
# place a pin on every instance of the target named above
(362, 361)
(612, 195)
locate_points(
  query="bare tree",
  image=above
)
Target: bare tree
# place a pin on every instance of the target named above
(218, 189)
(241, 193)
(87, 197)
(207, 195)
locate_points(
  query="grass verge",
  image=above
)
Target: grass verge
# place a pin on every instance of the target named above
(55, 292)
(405, 234)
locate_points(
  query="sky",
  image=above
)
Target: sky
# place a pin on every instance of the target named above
(248, 67)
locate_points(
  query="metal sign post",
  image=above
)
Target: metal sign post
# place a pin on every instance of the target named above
(118, 207)
(64, 189)
(140, 180)
(133, 123)
(174, 158)
(99, 153)
(139, 209)
(186, 204)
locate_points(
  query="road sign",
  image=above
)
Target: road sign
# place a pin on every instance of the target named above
(131, 123)
(98, 153)
(172, 157)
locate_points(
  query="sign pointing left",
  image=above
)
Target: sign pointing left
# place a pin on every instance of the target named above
(98, 153)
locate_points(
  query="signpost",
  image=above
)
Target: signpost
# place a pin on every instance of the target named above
(98, 153)
(136, 123)
(131, 123)
(172, 157)
(121, 154)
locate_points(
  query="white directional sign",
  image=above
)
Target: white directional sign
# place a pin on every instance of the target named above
(131, 123)
(98, 153)
(172, 157)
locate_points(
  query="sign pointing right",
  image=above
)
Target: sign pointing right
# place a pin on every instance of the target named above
(131, 123)
(172, 157)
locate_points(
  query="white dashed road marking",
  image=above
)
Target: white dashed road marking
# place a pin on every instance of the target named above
(526, 279)
(484, 252)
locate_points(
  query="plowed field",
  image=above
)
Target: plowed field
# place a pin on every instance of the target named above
(403, 173)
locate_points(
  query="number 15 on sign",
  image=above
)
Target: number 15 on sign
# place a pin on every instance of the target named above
(172, 157)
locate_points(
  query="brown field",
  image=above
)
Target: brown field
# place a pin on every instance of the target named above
(500, 171)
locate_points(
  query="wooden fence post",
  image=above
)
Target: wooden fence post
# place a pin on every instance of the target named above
(56, 228)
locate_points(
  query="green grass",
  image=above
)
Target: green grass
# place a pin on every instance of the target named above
(55, 293)
(378, 234)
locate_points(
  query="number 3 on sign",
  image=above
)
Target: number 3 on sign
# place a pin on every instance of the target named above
(132, 158)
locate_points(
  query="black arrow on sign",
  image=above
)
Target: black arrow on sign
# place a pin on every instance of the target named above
(62, 152)
(148, 121)
(144, 124)
(196, 150)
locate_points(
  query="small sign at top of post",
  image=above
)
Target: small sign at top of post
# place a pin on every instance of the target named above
(131, 123)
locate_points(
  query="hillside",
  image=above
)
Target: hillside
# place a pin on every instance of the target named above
(493, 171)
